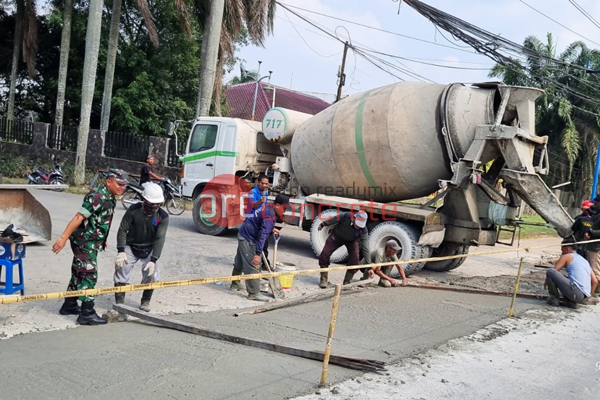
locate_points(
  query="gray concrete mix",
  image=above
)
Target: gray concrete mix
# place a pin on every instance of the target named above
(138, 360)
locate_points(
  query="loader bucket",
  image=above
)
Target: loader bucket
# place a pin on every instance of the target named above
(19, 207)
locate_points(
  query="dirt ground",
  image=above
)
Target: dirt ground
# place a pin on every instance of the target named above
(189, 254)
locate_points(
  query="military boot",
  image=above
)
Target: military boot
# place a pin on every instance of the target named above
(323, 282)
(88, 315)
(70, 307)
(146, 296)
(236, 285)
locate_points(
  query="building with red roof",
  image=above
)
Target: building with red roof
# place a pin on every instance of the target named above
(241, 97)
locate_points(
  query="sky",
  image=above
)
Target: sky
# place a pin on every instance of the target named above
(305, 59)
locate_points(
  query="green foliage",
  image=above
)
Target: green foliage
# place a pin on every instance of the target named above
(17, 166)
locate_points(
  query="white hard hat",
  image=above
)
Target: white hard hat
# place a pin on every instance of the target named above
(153, 193)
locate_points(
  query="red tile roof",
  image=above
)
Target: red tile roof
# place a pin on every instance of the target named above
(241, 97)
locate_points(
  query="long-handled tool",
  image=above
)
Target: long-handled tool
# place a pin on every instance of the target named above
(273, 283)
(276, 237)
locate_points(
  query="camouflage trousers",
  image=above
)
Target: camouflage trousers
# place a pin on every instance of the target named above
(84, 272)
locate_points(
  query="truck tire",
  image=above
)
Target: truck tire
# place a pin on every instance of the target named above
(203, 223)
(407, 236)
(318, 238)
(447, 249)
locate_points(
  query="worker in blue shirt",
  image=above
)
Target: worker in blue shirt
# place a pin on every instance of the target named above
(259, 193)
(252, 238)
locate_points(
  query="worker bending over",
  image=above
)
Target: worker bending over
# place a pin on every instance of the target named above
(385, 255)
(579, 285)
(252, 237)
(350, 228)
(141, 237)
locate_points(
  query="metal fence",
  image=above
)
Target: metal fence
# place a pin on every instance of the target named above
(126, 146)
(172, 157)
(16, 131)
(62, 138)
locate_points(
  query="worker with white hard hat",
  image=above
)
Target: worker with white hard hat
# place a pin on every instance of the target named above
(141, 237)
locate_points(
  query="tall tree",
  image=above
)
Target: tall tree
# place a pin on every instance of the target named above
(257, 16)
(65, 46)
(92, 44)
(26, 38)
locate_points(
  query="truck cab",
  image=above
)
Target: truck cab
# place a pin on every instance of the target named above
(224, 146)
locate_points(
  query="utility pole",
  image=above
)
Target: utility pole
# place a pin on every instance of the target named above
(208, 56)
(341, 74)
(92, 45)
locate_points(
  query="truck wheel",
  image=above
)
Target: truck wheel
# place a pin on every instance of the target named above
(318, 238)
(447, 249)
(204, 220)
(407, 236)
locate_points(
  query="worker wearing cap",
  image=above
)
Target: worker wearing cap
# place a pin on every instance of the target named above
(579, 283)
(385, 255)
(88, 233)
(350, 228)
(141, 238)
(593, 249)
(252, 237)
(582, 226)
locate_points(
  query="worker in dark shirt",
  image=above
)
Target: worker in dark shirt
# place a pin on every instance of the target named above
(147, 173)
(582, 226)
(141, 237)
(252, 237)
(350, 228)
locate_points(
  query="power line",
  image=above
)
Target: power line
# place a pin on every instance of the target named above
(426, 63)
(377, 29)
(585, 13)
(556, 22)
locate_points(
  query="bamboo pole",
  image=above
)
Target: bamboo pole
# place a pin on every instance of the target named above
(336, 301)
(512, 303)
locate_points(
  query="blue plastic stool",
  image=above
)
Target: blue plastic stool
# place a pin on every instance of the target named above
(9, 286)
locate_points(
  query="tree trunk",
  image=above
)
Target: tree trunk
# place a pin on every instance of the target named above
(218, 86)
(65, 45)
(208, 58)
(18, 40)
(113, 44)
(92, 44)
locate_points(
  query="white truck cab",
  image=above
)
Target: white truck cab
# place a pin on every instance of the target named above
(218, 146)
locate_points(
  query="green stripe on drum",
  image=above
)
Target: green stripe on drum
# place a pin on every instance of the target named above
(358, 137)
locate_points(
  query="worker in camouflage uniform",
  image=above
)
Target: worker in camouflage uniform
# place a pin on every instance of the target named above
(88, 234)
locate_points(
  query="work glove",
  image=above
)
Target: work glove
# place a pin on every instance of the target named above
(150, 267)
(121, 260)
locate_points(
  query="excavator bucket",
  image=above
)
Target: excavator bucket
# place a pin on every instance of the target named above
(21, 209)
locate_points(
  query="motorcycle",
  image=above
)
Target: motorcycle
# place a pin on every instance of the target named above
(174, 202)
(40, 176)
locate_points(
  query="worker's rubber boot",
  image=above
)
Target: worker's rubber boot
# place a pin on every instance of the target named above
(88, 315)
(119, 297)
(236, 285)
(323, 282)
(569, 303)
(553, 295)
(258, 297)
(70, 307)
(348, 277)
(365, 275)
(146, 296)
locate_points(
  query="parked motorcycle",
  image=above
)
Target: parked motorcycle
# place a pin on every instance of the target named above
(175, 203)
(40, 176)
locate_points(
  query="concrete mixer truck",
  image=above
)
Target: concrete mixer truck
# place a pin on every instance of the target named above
(473, 147)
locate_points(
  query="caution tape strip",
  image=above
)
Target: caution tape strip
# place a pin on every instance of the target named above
(201, 281)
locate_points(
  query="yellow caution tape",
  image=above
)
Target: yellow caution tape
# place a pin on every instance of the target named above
(201, 281)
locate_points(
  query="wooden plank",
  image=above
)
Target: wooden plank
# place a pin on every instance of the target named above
(350, 288)
(347, 362)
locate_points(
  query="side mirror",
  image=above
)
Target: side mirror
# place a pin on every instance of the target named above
(170, 128)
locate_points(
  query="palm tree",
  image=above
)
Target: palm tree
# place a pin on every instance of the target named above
(65, 44)
(570, 122)
(26, 38)
(257, 16)
(245, 76)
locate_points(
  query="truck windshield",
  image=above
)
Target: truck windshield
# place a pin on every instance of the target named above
(204, 137)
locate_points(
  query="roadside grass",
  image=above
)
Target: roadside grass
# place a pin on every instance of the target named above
(531, 231)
